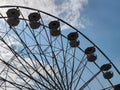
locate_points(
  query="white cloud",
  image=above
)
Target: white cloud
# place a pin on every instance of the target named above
(68, 10)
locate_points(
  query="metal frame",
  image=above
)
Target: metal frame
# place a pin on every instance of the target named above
(58, 82)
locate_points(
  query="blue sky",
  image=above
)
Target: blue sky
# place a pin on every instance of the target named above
(104, 29)
(102, 16)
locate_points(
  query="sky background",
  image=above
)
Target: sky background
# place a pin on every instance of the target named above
(97, 19)
(104, 27)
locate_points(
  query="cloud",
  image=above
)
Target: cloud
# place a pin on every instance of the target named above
(68, 10)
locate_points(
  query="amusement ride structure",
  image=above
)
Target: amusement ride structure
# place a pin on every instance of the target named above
(36, 53)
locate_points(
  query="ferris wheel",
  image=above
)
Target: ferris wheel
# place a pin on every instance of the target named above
(38, 53)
